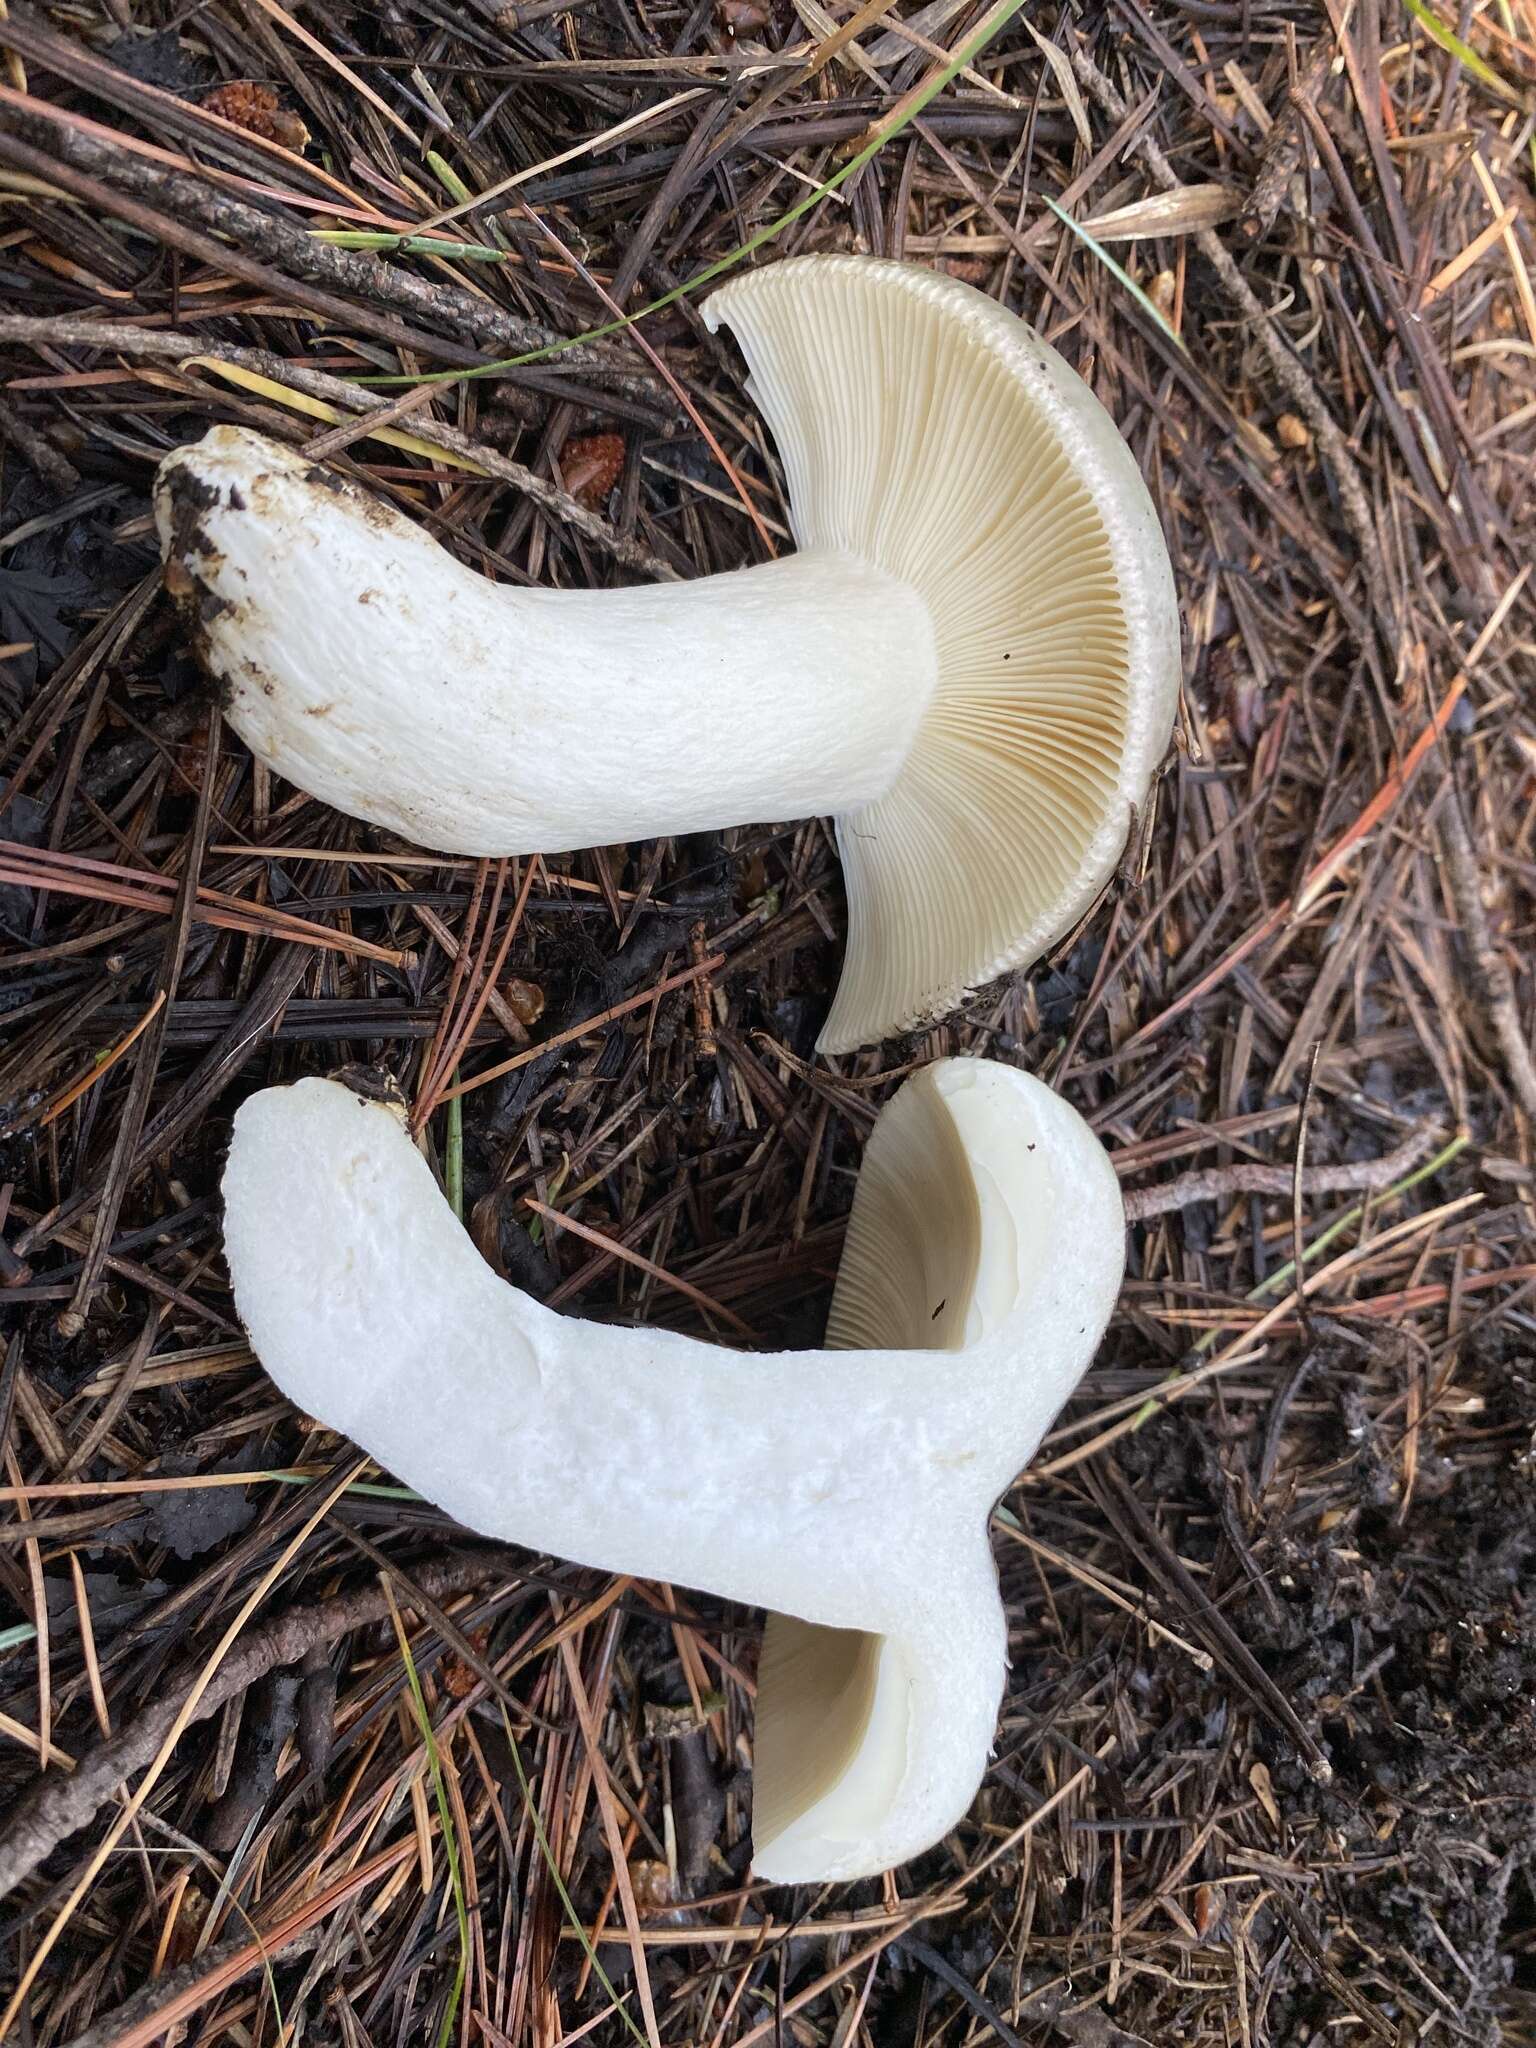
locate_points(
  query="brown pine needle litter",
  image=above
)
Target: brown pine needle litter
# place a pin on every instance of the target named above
(1266, 1771)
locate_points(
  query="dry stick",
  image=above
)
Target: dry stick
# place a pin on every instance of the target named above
(183, 1716)
(56, 470)
(72, 148)
(1379, 1308)
(57, 1806)
(1218, 1183)
(69, 332)
(157, 1482)
(222, 258)
(1490, 970)
(761, 1933)
(1289, 372)
(154, 108)
(1282, 147)
(340, 440)
(147, 1064)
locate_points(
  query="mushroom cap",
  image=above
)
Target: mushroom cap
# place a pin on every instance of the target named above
(987, 1224)
(924, 428)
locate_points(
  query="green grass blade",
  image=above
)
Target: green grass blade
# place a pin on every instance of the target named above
(462, 196)
(1097, 248)
(1282, 1275)
(453, 1154)
(571, 1914)
(376, 242)
(1464, 54)
(369, 1489)
(445, 1822)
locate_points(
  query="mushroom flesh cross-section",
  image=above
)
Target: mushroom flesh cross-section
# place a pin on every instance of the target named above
(971, 663)
(847, 1496)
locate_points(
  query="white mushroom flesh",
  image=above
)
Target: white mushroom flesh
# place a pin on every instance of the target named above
(848, 1496)
(377, 672)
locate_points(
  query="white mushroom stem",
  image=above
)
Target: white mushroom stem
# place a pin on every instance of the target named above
(478, 717)
(847, 1495)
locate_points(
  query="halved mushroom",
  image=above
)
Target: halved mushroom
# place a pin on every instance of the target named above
(847, 1496)
(972, 662)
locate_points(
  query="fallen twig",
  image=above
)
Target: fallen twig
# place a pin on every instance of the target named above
(65, 331)
(89, 151)
(59, 1804)
(1490, 970)
(1220, 1183)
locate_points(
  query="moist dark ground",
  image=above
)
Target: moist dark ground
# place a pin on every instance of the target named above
(1267, 1765)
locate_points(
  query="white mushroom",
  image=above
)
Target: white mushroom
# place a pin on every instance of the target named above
(849, 1497)
(972, 662)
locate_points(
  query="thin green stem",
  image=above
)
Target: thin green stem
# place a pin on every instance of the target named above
(445, 1822)
(1115, 270)
(453, 1153)
(577, 1926)
(1272, 1283)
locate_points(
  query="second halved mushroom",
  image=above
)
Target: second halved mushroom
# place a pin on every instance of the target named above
(847, 1494)
(972, 662)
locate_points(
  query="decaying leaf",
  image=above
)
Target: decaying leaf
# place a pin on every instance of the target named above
(1061, 71)
(1183, 212)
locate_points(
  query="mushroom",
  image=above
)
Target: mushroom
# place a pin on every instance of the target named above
(972, 662)
(984, 1252)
